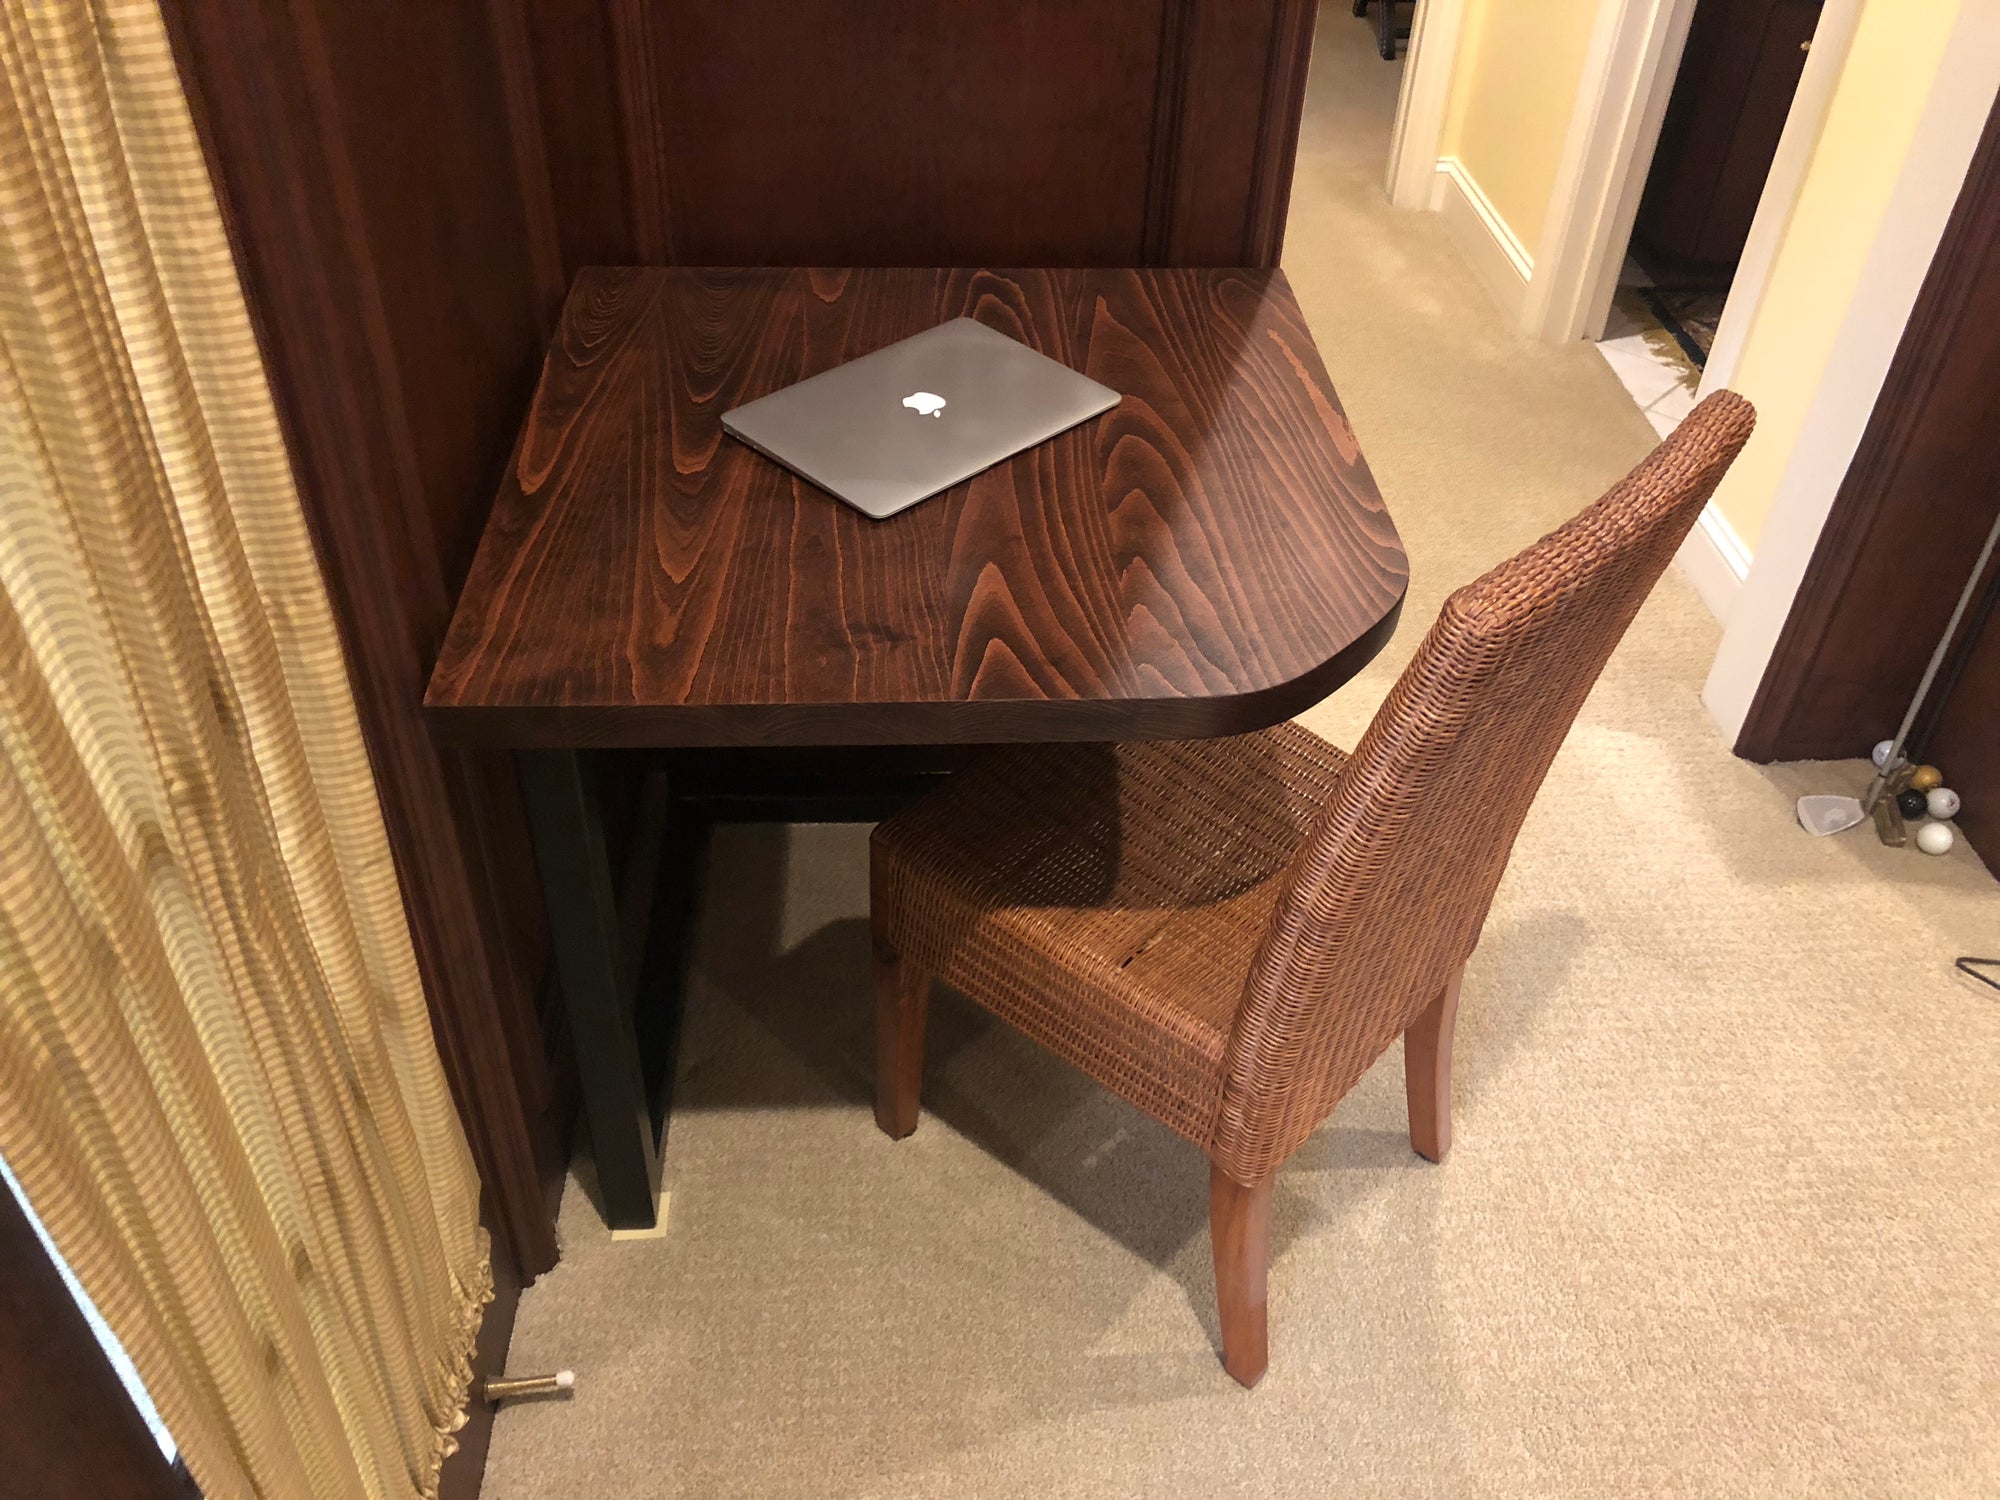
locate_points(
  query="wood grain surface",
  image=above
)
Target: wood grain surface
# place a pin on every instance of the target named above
(1209, 557)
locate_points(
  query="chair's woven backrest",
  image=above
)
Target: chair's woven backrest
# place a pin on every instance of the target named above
(1391, 885)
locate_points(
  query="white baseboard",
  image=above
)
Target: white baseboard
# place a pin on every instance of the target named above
(1423, 102)
(1715, 561)
(1494, 251)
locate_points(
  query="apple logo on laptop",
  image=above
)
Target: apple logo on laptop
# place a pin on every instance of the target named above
(925, 404)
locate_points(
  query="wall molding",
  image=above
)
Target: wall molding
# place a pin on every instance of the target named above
(1276, 157)
(1209, 53)
(645, 134)
(1418, 139)
(1628, 76)
(1163, 158)
(1715, 560)
(1484, 238)
(514, 53)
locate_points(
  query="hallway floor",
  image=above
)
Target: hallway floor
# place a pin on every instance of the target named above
(1720, 1217)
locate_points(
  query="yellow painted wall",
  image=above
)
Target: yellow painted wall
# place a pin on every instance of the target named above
(1513, 90)
(1869, 127)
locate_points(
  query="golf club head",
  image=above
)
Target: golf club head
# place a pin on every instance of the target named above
(1823, 815)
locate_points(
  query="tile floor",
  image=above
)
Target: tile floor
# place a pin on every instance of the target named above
(1646, 358)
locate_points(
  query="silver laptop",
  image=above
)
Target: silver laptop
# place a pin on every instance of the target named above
(897, 426)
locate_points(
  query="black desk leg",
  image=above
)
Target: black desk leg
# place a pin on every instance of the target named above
(583, 924)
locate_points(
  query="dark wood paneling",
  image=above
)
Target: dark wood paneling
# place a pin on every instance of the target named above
(361, 156)
(1241, 87)
(795, 133)
(644, 76)
(436, 216)
(1207, 557)
(514, 51)
(1277, 150)
(575, 63)
(67, 1428)
(410, 189)
(1908, 521)
(903, 132)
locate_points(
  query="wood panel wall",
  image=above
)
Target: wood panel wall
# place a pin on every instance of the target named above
(66, 1425)
(383, 246)
(907, 132)
(1903, 533)
(411, 187)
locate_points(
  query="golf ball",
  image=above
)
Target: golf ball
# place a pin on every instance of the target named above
(1880, 754)
(1926, 777)
(1941, 802)
(1934, 838)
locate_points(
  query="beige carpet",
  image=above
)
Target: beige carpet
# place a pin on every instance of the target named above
(1722, 1213)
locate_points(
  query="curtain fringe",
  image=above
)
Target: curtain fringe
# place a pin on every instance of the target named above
(473, 1300)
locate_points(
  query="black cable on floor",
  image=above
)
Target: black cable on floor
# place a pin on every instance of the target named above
(1972, 966)
(1690, 346)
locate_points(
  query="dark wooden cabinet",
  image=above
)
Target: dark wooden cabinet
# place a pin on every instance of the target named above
(1734, 89)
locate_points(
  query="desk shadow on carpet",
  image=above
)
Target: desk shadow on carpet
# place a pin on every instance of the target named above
(781, 1018)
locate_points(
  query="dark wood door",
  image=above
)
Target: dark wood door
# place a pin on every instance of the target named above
(1734, 89)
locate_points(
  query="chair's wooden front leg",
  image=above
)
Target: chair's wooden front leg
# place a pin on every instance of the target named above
(1239, 1230)
(902, 996)
(1427, 1071)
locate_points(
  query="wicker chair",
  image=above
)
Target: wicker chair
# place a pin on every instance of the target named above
(1228, 933)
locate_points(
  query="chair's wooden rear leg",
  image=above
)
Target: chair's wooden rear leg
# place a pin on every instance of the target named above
(902, 996)
(1427, 1071)
(1239, 1230)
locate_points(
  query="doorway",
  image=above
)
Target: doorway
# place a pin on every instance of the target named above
(1719, 139)
(1632, 66)
(1375, 42)
(1392, 20)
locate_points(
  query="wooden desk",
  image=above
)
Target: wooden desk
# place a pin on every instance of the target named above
(1210, 557)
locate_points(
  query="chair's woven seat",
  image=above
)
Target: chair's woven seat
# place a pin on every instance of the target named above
(1229, 933)
(1108, 899)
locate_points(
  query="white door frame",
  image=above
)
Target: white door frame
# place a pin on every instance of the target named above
(1628, 77)
(1960, 98)
(1418, 139)
(1635, 52)
(1833, 38)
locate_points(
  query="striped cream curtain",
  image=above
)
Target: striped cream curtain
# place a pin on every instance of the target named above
(217, 1080)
